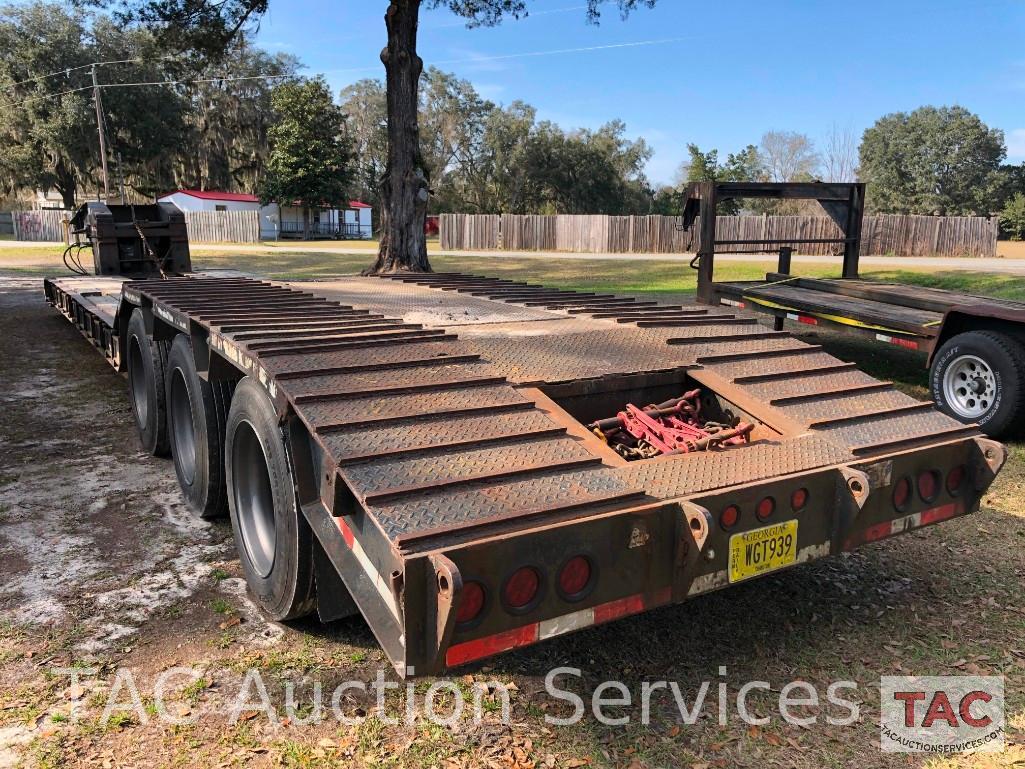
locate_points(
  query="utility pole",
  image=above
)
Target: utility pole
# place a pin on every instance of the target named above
(103, 138)
(121, 178)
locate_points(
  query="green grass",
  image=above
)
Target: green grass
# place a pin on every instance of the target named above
(665, 278)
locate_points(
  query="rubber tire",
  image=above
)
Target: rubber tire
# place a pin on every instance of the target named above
(288, 590)
(149, 370)
(206, 493)
(1006, 357)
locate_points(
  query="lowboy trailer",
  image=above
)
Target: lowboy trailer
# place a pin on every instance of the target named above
(474, 464)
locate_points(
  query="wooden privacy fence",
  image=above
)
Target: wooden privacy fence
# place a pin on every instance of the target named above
(223, 226)
(41, 225)
(898, 234)
(203, 226)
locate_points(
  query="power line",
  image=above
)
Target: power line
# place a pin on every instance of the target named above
(69, 70)
(225, 79)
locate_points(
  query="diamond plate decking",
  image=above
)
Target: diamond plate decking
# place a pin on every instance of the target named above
(417, 390)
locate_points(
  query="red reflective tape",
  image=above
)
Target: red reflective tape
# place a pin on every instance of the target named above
(909, 344)
(479, 648)
(880, 530)
(607, 612)
(941, 513)
(346, 532)
(492, 644)
(805, 319)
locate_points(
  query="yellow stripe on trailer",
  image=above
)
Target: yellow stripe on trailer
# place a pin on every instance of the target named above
(825, 316)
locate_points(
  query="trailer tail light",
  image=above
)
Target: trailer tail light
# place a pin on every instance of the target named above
(799, 499)
(522, 589)
(728, 517)
(765, 508)
(471, 603)
(928, 485)
(955, 480)
(902, 494)
(575, 578)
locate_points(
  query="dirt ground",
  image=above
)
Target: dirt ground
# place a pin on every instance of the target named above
(104, 570)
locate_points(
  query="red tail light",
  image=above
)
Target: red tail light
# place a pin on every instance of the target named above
(575, 577)
(928, 485)
(728, 518)
(955, 480)
(799, 499)
(522, 588)
(765, 508)
(471, 603)
(902, 494)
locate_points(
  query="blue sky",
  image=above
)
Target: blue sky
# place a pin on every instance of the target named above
(716, 74)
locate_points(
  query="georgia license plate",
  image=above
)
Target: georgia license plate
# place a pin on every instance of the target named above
(762, 550)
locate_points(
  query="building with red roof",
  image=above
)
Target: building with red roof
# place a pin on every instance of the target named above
(277, 221)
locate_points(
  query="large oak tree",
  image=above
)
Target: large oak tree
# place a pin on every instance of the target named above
(210, 25)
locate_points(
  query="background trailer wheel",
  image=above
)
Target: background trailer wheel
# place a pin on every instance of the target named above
(147, 361)
(979, 376)
(196, 414)
(274, 542)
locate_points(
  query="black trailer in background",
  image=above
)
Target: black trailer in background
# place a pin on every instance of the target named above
(974, 345)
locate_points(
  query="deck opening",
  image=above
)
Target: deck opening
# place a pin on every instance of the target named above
(645, 416)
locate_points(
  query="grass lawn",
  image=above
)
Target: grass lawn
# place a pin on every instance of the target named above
(650, 277)
(946, 600)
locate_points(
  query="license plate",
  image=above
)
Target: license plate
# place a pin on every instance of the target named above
(762, 550)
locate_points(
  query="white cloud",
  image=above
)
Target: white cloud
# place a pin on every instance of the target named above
(1016, 144)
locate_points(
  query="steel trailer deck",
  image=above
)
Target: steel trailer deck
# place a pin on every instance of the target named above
(424, 458)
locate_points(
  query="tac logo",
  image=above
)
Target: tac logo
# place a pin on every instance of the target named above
(941, 714)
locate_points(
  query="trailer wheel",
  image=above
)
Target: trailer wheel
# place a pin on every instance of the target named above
(274, 541)
(979, 376)
(196, 414)
(147, 362)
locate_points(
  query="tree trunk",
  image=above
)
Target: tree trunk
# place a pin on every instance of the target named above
(66, 184)
(404, 187)
(306, 222)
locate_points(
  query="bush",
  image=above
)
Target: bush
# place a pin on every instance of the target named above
(1012, 218)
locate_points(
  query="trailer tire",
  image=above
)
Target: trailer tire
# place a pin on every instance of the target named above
(991, 366)
(196, 414)
(273, 539)
(147, 363)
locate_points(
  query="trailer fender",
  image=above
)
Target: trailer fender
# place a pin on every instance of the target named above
(978, 317)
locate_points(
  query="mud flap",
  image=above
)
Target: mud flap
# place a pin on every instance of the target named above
(333, 598)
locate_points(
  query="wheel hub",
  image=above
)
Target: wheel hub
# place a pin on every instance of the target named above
(183, 431)
(969, 386)
(137, 383)
(254, 499)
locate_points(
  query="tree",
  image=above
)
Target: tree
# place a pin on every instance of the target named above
(365, 106)
(743, 166)
(405, 186)
(228, 120)
(48, 124)
(310, 159)
(840, 156)
(935, 160)
(1012, 218)
(788, 156)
